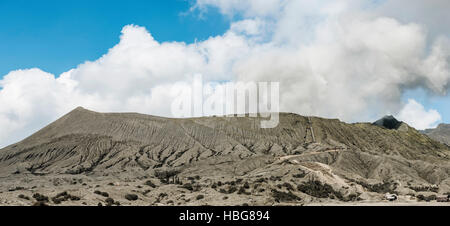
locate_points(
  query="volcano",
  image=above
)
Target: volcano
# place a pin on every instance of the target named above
(165, 161)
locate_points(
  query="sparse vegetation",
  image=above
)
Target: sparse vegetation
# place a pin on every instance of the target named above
(150, 184)
(426, 198)
(131, 197)
(64, 196)
(286, 185)
(181, 161)
(22, 196)
(187, 186)
(275, 178)
(191, 187)
(199, 197)
(242, 191)
(434, 189)
(261, 180)
(302, 174)
(104, 194)
(168, 176)
(109, 201)
(16, 189)
(319, 190)
(40, 198)
(382, 188)
(231, 189)
(280, 196)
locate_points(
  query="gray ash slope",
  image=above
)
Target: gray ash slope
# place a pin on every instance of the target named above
(346, 156)
(441, 133)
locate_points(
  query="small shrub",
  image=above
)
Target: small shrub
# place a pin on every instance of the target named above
(261, 180)
(131, 197)
(275, 178)
(242, 191)
(299, 175)
(22, 196)
(165, 175)
(64, 196)
(162, 195)
(319, 190)
(232, 189)
(56, 200)
(280, 196)
(288, 186)
(426, 198)
(188, 186)
(150, 184)
(382, 188)
(109, 201)
(200, 197)
(104, 194)
(16, 189)
(75, 198)
(425, 189)
(40, 198)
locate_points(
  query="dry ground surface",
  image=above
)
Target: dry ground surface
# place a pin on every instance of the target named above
(89, 158)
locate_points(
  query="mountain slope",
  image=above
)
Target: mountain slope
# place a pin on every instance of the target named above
(348, 157)
(441, 133)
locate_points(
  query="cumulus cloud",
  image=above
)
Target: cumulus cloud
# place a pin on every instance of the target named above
(343, 59)
(248, 8)
(415, 114)
(431, 14)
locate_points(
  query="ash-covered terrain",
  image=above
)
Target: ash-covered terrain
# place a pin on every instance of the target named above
(90, 158)
(441, 133)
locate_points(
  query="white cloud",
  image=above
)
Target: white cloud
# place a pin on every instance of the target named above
(248, 7)
(345, 59)
(432, 14)
(416, 116)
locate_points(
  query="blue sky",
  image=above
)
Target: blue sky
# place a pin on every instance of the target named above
(439, 103)
(56, 35)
